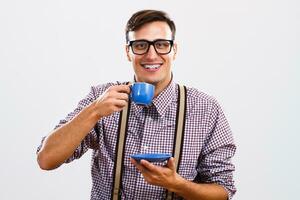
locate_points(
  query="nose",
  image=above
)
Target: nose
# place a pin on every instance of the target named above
(151, 54)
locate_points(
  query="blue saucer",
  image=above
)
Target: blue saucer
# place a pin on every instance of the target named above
(152, 157)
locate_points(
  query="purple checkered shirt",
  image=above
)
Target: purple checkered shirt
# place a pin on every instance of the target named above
(207, 147)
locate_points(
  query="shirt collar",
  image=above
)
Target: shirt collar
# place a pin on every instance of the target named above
(165, 98)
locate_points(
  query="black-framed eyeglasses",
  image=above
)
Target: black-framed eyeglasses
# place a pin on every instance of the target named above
(141, 47)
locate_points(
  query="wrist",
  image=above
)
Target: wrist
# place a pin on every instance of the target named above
(179, 185)
(89, 115)
(94, 115)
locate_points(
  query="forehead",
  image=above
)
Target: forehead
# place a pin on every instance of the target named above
(152, 31)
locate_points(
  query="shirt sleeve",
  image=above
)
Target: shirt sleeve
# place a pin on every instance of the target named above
(91, 141)
(215, 164)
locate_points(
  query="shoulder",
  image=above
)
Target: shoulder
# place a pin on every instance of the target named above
(200, 103)
(195, 95)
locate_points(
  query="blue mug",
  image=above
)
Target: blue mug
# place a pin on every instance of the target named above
(142, 93)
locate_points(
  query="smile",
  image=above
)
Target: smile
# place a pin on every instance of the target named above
(156, 66)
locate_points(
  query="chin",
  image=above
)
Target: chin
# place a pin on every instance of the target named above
(151, 81)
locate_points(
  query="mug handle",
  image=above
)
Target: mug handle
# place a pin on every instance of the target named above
(130, 87)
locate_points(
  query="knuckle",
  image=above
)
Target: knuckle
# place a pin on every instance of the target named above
(111, 88)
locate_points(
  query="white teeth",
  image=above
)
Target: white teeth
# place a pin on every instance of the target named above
(151, 66)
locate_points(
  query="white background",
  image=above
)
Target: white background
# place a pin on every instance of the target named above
(245, 53)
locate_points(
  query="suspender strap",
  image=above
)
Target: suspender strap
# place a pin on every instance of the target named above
(119, 158)
(180, 126)
(179, 134)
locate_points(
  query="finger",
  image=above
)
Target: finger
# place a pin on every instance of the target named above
(119, 103)
(149, 166)
(140, 167)
(122, 96)
(133, 161)
(171, 164)
(122, 88)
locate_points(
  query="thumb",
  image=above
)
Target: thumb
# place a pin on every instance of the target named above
(171, 164)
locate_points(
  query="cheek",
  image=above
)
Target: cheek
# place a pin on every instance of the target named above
(136, 59)
(169, 59)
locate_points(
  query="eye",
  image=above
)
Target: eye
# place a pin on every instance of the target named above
(161, 44)
(140, 45)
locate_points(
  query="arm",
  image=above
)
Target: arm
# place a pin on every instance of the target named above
(204, 191)
(191, 190)
(60, 144)
(168, 178)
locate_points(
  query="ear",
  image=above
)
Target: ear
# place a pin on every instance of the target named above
(128, 53)
(175, 51)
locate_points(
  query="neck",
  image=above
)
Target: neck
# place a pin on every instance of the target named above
(160, 86)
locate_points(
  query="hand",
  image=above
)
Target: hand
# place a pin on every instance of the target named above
(167, 177)
(114, 99)
(156, 175)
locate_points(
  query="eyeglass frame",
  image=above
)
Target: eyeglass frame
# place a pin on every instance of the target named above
(149, 44)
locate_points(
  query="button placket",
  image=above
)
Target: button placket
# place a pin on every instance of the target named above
(145, 145)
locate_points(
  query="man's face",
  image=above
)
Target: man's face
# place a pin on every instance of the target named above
(152, 67)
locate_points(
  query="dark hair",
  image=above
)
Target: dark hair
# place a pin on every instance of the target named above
(142, 17)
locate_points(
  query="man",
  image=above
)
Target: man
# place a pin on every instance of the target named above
(205, 170)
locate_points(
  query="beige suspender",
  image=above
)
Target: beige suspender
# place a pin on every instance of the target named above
(121, 142)
(180, 127)
(179, 132)
(118, 163)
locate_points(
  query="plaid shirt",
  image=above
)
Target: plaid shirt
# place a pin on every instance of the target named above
(207, 147)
